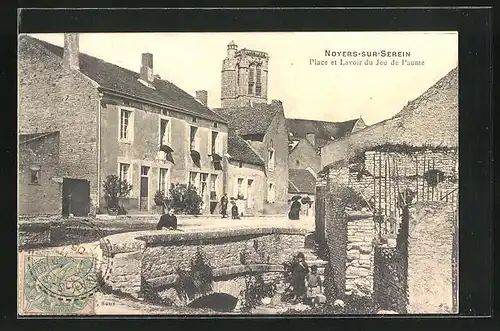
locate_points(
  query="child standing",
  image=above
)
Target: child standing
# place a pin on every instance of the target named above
(314, 286)
(234, 211)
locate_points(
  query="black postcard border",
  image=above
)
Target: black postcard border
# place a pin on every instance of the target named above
(475, 124)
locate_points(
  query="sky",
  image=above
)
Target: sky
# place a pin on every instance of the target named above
(193, 61)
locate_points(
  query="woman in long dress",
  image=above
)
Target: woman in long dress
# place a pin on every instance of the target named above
(294, 210)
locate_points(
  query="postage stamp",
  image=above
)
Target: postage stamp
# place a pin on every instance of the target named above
(64, 280)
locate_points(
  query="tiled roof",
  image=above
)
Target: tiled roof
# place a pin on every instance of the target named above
(323, 130)
(251, 120)
(301, 181)
(33, 136)
(239, 150)
(119, 79)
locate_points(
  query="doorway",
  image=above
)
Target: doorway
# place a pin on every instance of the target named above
(144, 189)
(76, 197)
(250, 193)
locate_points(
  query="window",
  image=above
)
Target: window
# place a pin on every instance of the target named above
(240, 182)
(251, 73)
(203, 188)
(125, 172)
(258, 83)
(193, 138)
(163, 185)
(35, 175)
(213, 187)
(193, 179)
(249, 193)
(270, 193)
(164, 132)
(297, 162)
(194, 119)
(213, 143)
(271, 160)
(126, 124)
(214, 147)
(216, 125)
(240, 164)
(165, 112)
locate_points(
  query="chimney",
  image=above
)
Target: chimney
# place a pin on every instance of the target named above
(310, 137)
(202, 95)
(71, 51)
(147, 68)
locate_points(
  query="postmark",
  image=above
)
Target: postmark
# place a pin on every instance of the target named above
(65, 280)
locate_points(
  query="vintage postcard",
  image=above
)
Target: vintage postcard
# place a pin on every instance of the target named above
(280, 173)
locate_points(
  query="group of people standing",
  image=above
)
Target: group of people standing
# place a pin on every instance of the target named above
(306, 284)
(224, 201)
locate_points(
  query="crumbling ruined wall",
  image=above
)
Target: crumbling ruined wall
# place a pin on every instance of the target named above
(430, 253)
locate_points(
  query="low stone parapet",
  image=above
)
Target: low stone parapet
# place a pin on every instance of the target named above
(152, 258)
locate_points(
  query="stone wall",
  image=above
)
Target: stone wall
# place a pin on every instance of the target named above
(45, 196)
(359, 267)
(150, 259)
(430, 251)
(53, 98)
(390, 274)
(336, 227)
(389, 279)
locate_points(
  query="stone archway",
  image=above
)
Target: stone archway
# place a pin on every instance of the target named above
(217, 301)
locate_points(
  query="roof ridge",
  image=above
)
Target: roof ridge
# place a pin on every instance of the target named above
(321, 121)
(50, 46)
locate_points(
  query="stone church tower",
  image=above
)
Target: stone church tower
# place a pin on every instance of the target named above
(244, 77)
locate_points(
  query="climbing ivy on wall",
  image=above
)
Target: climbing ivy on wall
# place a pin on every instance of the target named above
(197, 280)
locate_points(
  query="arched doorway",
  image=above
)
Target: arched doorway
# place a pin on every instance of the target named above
(222, 302)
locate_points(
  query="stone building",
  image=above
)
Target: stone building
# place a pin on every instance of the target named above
(116, 121)
(40, 187)
(406, 169)
(244, 77)
(262, 125)
(307, 137)
(265, 132)
(301, 182)
(247, 176)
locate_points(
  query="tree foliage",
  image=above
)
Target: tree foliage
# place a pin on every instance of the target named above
(114, 189)
(184, 199)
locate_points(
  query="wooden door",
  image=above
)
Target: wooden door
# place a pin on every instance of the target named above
(76, 197)
(144, 189)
